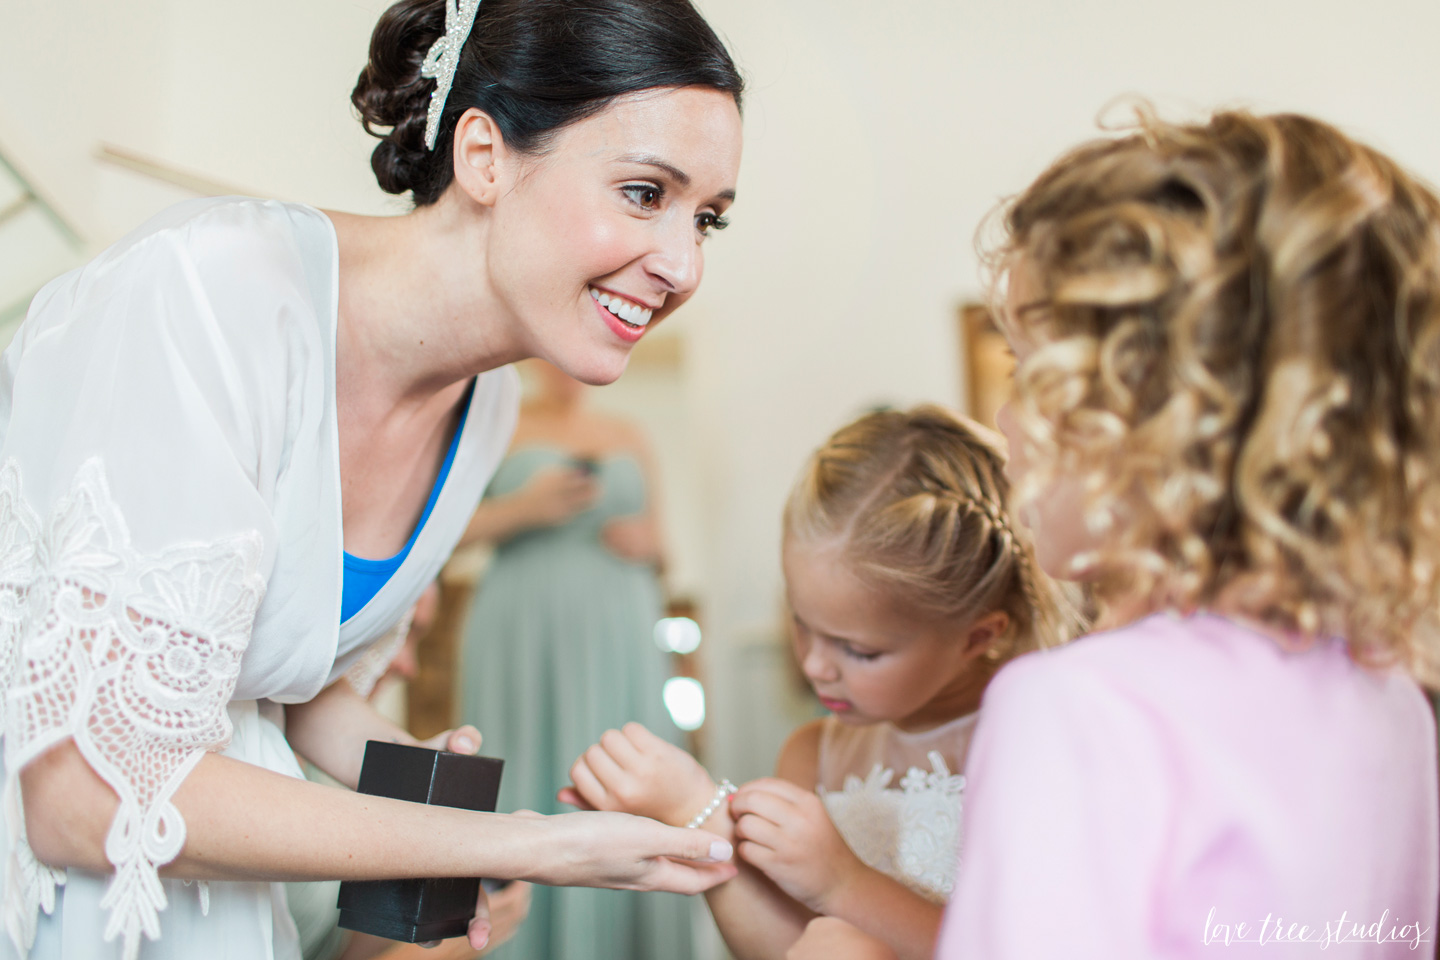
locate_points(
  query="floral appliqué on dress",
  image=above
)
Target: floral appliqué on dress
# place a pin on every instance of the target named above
(910, 833)
(132, 655)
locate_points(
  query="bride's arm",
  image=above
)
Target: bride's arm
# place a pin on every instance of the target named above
(331, 730)
(247, 823)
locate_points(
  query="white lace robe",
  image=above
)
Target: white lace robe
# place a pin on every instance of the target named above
(170, 553)
(895, 798)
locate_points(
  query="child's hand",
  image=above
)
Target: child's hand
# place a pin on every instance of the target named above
(826, 938)
(633, 771)
(784, 831)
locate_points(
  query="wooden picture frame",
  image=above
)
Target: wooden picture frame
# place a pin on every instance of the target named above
(987, 362)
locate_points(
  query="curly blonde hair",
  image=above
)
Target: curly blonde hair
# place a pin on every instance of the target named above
(918, 498)
(1237, 355)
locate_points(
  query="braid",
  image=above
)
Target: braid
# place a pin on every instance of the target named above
(919, 498)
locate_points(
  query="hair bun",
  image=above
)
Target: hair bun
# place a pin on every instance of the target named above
(391, 96)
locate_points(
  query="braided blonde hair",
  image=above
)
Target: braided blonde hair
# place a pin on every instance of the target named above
(919, 500)
(1237, 355)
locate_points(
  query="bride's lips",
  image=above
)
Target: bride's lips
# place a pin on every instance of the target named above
(621, 329)
(835, 706)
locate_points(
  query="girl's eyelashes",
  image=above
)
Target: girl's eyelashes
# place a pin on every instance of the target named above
(865, 656)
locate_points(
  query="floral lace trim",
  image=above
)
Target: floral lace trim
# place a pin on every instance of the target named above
(134, 656)
(366, 671)
(910, 833)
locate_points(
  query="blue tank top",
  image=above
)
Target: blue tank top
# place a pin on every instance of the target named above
(362, 578)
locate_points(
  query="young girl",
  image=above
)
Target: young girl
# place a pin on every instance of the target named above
(1228, 392)
(909, 588)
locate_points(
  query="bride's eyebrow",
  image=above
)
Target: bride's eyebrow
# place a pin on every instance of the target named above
(680, 177)
(648, 160)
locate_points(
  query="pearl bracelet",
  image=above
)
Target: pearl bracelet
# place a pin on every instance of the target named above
(722, 793)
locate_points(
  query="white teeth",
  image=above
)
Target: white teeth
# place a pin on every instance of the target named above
(631, 313)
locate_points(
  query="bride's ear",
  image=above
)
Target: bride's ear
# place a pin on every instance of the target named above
(481, 156)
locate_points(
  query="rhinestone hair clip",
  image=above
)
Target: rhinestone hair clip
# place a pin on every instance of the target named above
(442, 59)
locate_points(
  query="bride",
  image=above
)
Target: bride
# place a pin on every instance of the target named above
(236, 446)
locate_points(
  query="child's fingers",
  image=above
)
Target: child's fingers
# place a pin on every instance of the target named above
(761, 803)
(777, 787)
(642, 739)
(571, 796)
(589, 787)
(755, 829)
(620, 748)
(606, 770)
(760, 857)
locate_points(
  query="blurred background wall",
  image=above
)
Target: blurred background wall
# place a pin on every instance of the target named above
(878, 135)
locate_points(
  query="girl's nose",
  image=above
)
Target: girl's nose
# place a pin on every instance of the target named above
(817, 665)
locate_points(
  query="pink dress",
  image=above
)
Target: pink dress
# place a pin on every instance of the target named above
(1153, 791)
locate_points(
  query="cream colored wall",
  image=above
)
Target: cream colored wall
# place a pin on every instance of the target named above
(877, 134)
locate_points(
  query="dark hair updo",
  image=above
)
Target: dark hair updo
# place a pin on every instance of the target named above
(535, 66)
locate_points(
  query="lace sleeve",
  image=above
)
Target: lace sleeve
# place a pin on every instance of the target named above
(133, 655)
(372, 663)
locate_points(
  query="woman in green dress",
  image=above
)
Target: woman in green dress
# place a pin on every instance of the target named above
(558, 646)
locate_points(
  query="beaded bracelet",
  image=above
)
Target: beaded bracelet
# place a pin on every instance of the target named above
(722, 792)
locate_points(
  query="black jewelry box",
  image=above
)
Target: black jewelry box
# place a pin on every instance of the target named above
(419, 910)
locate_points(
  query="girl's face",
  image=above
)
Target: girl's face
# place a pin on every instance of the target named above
(1055, 515)
(867, 661)
(601, 236)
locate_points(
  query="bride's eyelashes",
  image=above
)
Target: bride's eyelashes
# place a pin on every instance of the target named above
(649, 197)
(707, 221)
(646, 196)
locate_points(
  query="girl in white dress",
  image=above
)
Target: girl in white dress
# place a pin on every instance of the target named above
(908, 589)
(236, 447)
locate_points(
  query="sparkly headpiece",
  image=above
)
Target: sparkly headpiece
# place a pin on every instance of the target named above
(442, 59)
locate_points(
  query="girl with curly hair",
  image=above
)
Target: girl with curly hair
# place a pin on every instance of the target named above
(1228, 338)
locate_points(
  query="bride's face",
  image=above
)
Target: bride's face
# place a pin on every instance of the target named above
(602, 235)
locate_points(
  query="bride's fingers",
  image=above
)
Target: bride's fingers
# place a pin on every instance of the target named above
(464, 739)
(689, 878)
(682, 843)
(478, 932)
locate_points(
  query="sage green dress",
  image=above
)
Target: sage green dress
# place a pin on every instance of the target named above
(558, 649)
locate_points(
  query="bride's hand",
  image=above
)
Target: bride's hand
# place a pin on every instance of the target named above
(625, 852)
(464, 740)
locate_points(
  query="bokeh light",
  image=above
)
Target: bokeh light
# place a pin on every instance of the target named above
(677, 635)
(685, 699)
